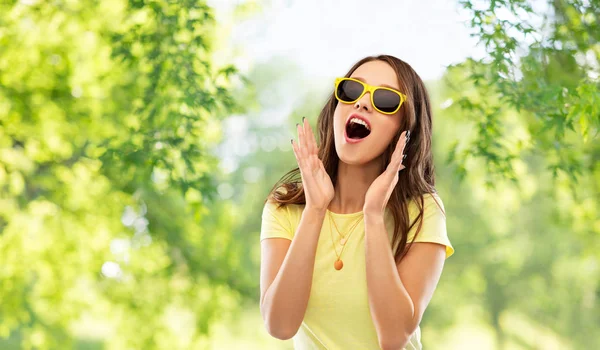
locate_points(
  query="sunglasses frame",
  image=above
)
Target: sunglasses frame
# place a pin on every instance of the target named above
(371, 89)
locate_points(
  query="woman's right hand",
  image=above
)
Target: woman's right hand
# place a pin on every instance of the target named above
(318, 188)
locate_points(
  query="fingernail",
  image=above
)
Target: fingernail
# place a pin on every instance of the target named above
(303, 119)
(292, 141)
(297, 124)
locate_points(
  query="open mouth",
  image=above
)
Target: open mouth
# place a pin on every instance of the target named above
(356, 129)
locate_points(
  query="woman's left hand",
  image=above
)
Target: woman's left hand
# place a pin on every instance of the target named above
(381, 189)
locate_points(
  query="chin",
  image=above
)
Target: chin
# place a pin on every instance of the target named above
(352, 157)
(352, 160)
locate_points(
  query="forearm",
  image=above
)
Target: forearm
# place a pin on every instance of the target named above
(286, 298)
(392, 309)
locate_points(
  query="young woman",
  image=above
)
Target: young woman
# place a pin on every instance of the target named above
(352, 253)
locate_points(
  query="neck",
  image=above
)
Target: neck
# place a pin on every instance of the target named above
(352, 183)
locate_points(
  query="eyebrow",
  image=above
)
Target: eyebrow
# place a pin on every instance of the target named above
(386, 85)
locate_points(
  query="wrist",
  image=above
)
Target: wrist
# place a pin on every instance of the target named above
(315, 210)
(373, 217)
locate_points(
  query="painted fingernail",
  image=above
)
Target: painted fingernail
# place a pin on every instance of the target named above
(303, 119)
(292, 141)
(297, 124)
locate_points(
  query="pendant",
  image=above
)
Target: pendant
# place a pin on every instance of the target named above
(338, 264)
(343, 241)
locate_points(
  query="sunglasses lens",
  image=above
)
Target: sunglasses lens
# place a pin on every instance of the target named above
(386, 100)
(349, 91)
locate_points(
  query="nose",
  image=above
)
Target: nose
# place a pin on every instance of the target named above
(364, 102)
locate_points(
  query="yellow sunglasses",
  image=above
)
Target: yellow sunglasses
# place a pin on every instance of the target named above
(385, 100)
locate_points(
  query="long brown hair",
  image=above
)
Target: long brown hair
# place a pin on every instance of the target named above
(415, 181)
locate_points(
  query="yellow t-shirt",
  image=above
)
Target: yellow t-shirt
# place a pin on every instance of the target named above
(337, 315)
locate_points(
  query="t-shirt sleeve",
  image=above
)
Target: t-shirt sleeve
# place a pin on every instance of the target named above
(433, 228)
(275, 222)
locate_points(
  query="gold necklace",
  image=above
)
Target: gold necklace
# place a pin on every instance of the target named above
(343, 240)
(338, 264)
